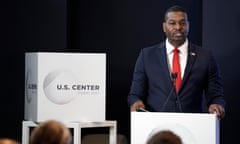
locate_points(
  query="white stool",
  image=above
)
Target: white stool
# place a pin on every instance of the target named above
(77, 126)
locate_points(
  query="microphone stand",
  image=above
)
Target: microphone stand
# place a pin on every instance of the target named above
(174, 76)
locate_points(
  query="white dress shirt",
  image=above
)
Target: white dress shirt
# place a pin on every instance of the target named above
(183, 52)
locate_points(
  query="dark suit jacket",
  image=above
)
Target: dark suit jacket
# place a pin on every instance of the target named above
(153, 85)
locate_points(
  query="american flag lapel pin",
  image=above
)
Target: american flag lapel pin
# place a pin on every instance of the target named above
(193, 54)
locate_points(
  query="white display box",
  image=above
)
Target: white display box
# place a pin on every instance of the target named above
(192, 128)
(65, 86)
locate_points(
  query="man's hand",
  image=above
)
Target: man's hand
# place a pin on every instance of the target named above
(217, 109)
(137, 104)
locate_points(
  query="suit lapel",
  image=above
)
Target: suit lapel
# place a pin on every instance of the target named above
(164, 65)
(192, 55)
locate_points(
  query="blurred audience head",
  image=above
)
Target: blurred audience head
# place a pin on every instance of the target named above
(164, 137)
(8, 141)
(51, 132)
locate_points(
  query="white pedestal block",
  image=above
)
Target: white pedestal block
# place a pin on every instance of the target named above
(77, 126)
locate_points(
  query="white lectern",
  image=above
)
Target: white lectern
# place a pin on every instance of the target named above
(192, 128)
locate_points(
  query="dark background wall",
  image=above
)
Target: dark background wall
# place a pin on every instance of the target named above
(221, 33)
(119, 28)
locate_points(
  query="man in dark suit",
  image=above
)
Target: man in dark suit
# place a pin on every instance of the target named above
(154, 80)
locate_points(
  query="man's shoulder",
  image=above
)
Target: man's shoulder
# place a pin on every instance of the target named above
(199, 48)
(155, 46)
(195, 46)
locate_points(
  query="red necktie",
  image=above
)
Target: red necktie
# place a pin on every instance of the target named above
(176, 68)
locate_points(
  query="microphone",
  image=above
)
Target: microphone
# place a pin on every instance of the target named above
(173, 78)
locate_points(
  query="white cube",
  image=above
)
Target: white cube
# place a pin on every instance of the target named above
(65, 86)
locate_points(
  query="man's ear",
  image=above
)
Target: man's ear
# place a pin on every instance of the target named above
(163, 26)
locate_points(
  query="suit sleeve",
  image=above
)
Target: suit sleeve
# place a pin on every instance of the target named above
(139, 82)
(214, 91)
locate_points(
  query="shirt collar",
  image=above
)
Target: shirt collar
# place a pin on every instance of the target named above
(183, 48)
